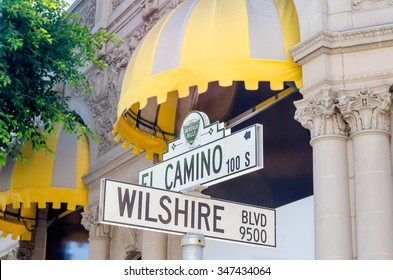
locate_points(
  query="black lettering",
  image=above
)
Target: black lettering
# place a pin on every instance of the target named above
(256, 218)
(168, 187)
(188, 170)
(217, 169)
(203, 215)
(216, 218)
(247, 155)
(168, 212)
(143, 178)
(147, 210)
(178, 175)
(205, 162)
(244, 217)
(192, 214)
(197, 166)
(125, 201)
(250, 221)
(263, 220)
(181, 211)
(140, 205)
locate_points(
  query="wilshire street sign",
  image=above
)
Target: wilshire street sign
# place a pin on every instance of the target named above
(205, 154)
(143, 207)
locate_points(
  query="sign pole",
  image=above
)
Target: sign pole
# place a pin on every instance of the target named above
(192, 246)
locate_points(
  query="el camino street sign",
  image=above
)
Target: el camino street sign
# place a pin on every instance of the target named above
(136, 206)
(205, 154)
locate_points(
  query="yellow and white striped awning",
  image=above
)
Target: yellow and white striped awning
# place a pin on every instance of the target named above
(43, 179)
(200, 42)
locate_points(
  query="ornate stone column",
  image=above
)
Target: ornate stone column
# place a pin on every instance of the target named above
(368, 115)
(333, 231)
(99, 235)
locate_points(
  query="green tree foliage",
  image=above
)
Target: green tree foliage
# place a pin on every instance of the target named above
(41, 45)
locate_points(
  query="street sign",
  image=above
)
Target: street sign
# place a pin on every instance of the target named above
(205, 154)
(136, 206)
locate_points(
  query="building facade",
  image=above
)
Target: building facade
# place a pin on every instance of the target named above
(339, 122)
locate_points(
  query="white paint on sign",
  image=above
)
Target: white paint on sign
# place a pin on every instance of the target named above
(142, 207)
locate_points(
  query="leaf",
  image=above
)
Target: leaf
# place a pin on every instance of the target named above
(41, 45)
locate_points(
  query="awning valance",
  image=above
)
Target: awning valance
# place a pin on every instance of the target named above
(43, 179)
(200, 42)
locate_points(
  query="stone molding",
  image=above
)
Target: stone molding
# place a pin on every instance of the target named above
(320, 115)
(148, 8)
(119, 160)
(342, 42)
(347, 113)
(358, 5)
(102, 103)
(151, 13)
(375, 77)
(88, 13)
(116, 3)
(366, 110)
(90, 222)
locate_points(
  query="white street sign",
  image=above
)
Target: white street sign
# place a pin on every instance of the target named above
(205, 154)
(148, 208)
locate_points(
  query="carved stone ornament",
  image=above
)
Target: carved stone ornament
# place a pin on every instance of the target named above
(11, 254)
(148, 8)
(102, 103)
(88, 13)
(358, 4)
(25, 250)
(366, 110)
(320, 115)
(90, 222)
(151, 13)
(116, 3)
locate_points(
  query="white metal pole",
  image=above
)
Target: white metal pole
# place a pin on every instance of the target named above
(192, 246)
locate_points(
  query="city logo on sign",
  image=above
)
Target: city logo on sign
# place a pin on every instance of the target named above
(196, 132)
(191, 131)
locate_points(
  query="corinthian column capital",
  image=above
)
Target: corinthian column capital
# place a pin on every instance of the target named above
(320, 115)
(366, 110)
(90, 222)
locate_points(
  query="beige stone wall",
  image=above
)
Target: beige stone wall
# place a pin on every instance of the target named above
(341, 15)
